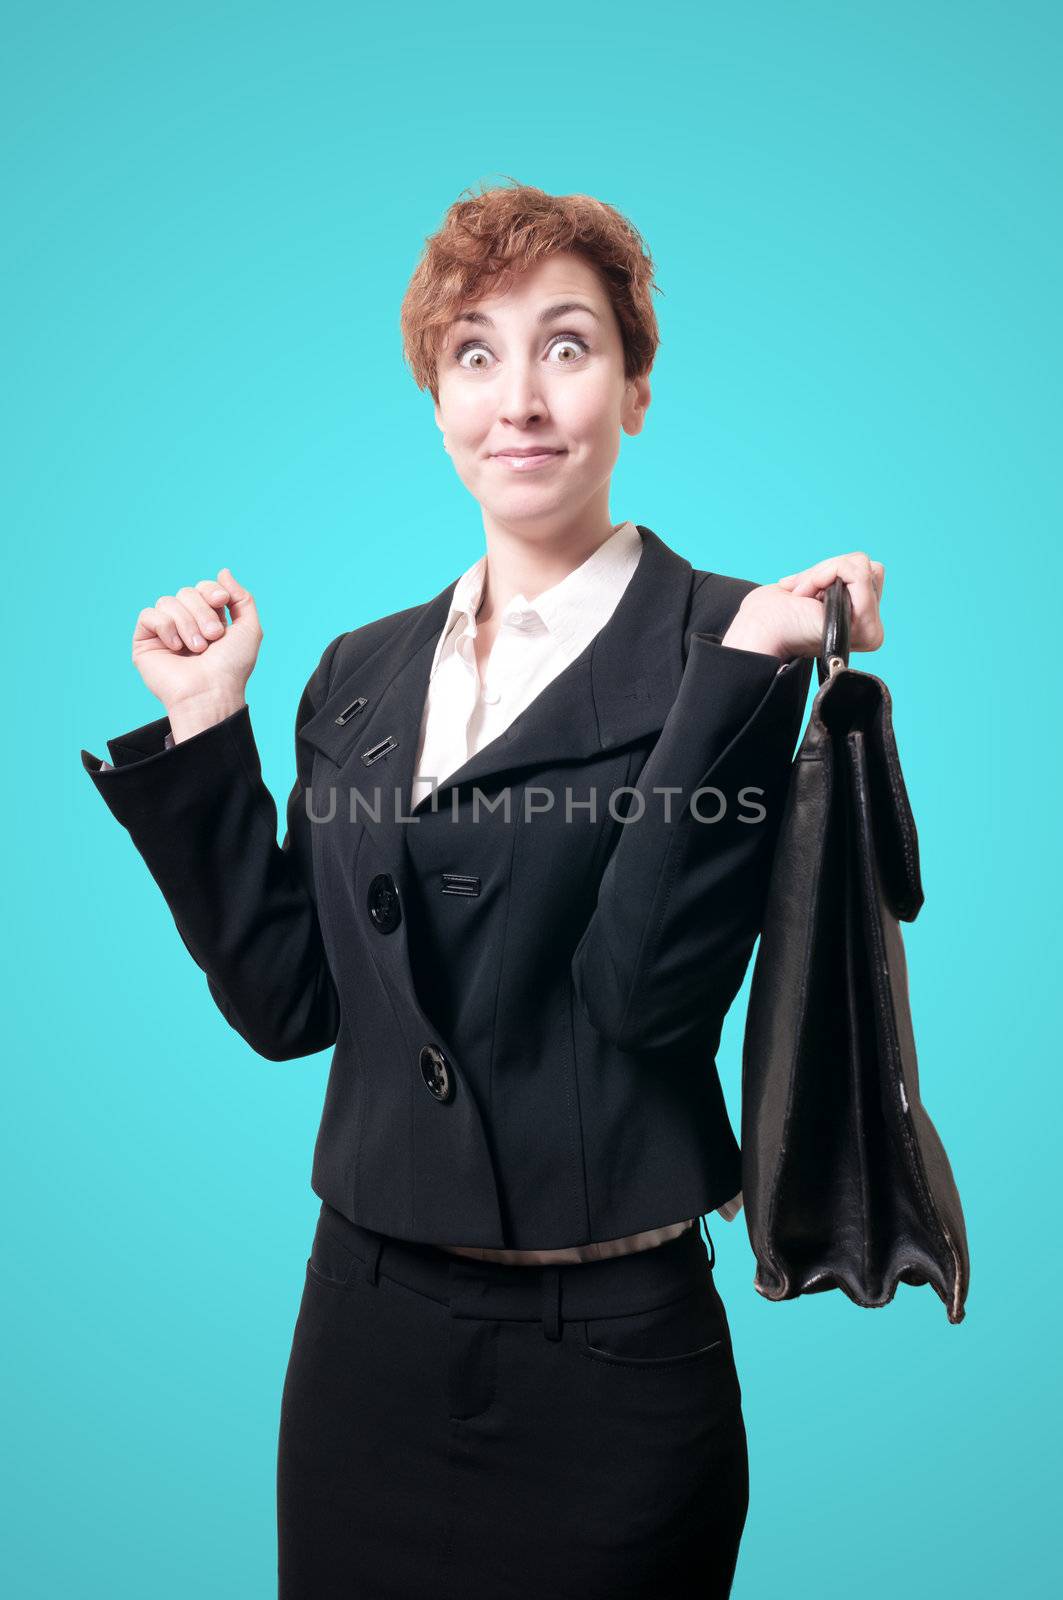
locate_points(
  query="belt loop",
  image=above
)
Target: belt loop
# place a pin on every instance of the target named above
(372, 1262)
(551, 1284)
(708, 1236)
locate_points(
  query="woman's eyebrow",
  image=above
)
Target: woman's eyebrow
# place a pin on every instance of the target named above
(549, 315)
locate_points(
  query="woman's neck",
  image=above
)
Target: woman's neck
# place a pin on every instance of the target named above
(519, 563)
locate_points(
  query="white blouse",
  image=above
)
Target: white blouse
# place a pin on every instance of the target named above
(536, 640)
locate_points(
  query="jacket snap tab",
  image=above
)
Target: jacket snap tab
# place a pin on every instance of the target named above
(460, 883)
(375, 751)
(349, 711)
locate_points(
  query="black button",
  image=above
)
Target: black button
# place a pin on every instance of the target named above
(435, 1071)
(384, 910)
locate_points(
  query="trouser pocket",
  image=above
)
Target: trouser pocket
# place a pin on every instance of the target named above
(691, 1328)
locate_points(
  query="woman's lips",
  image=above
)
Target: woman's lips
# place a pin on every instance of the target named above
(529, 463)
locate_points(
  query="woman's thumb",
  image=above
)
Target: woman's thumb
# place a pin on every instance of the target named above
(240, 602)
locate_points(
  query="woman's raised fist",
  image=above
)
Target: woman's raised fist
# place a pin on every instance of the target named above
(190, 659)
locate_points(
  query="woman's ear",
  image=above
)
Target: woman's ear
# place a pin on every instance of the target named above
(440, 426)
(637, 398)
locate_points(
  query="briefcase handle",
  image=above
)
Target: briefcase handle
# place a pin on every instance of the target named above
(838, 612)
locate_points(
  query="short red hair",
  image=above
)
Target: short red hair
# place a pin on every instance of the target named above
(487, 241)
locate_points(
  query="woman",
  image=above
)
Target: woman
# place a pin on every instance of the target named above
(511, 1373)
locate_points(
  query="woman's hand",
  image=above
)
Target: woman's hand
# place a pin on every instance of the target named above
(785, 619)
(190, 660)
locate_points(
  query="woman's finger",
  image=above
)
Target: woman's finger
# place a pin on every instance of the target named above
(237, 593)
(213, 593)
(186, 623)
(862, 578)
(155, 624)
(242, 606)
(865, 628)
(210, 624)
(849, 568)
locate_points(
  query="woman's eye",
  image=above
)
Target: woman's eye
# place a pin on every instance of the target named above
(481, 351)
(570, 339)
(469, 349)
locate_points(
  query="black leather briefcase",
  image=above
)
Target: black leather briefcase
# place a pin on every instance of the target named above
(845, 1181)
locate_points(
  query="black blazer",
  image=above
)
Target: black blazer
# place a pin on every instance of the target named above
(525, 1010)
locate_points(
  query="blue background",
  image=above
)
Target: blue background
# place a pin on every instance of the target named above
(211, 214)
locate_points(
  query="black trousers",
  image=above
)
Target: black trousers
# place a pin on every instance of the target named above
(460, 1428)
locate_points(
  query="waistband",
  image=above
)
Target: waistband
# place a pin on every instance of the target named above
(616, 1286)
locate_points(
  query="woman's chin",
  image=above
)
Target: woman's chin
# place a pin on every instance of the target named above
(526, 498)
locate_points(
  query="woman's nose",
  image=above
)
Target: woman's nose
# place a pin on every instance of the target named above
(522, 398)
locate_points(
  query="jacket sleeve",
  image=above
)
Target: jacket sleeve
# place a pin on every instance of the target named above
(245, 907)
(680, 903)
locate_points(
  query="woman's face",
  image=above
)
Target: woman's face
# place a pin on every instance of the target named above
(541, 369)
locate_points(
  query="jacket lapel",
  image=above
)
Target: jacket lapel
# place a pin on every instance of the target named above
(620, 688)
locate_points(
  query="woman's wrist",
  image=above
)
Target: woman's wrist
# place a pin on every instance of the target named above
(747, 633)
(189, 717)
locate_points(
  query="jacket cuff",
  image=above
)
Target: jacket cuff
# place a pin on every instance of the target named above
(149, 779)
(721, 689)
(108, 766)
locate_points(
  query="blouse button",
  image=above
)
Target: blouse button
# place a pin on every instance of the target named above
(491, 697)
